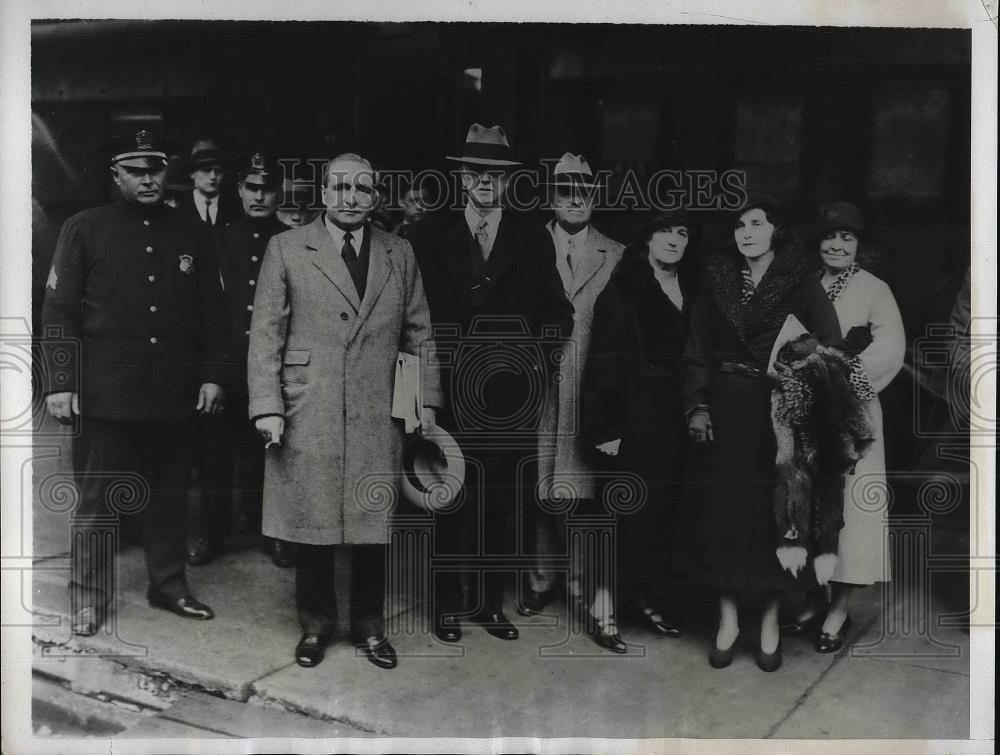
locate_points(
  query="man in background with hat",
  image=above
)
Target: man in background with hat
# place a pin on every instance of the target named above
(235, 452)
(585, 259)
(491, 279)
(136, 285)
(337, 301)
(207, 200)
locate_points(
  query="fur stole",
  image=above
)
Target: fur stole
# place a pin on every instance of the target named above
(776, 294)
(821, 431)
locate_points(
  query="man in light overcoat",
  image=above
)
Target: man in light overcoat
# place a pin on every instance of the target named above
(336, 301)
(585, 259)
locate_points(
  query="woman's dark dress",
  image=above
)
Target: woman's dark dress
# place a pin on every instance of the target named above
(632, 391)
(726, 521)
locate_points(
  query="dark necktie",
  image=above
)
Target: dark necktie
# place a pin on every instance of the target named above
(347, 252)
(208, 212)
(354, 267)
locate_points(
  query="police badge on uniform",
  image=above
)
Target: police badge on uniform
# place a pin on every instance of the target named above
(187, 263)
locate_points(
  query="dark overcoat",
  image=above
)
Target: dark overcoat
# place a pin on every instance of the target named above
(135, 298)
(726, 526)
(632, 391)
(241, 253)
(504, 345)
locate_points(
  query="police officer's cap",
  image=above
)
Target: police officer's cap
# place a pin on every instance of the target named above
(260, 168)
(141, 149)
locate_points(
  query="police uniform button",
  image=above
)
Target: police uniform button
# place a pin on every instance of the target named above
(145, 223)
(149, 249)
(253, 282)
(253, 259)
(246, 332)
(249, 307)
(152, 308)
(256, 235)
(152, 279)
(343, 316)
(153, 339)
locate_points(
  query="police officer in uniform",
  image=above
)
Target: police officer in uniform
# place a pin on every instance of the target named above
(136, 285)
(235, 449)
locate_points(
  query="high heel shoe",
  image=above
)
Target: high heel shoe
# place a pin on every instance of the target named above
(832, 642)
(769, 661)
(719, 658)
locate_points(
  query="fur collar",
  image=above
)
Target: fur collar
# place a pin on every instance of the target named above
(776, 293)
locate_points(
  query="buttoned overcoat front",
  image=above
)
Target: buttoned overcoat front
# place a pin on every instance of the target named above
(325, 360)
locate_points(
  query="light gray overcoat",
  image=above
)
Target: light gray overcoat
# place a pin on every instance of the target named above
(563, 469)
(326, 362)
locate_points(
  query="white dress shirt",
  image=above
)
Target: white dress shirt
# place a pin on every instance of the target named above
(576, 250)
(337, 234)
(473, 219)
(200, 200)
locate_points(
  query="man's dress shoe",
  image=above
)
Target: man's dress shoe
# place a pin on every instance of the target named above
(652, 619)
(381, 653)
(310, 650)
(447, 628)
(497, 625)
(186, 607)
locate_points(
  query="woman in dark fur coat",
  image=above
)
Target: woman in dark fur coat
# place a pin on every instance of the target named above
(726, 520)
(631, 402)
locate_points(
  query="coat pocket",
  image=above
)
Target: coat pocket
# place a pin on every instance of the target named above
(295, 366)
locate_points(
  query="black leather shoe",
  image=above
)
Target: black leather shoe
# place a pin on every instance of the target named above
(282, 553)
(534, 602)
(497, 625)
(719, 658)
(447, 628)
(652, 619)
(381, 653)
(202, 551)
(769, 661)
(86, 622)
(186, 607)
(831, 643)
(311, 650)
(800, 627)
(605, 634)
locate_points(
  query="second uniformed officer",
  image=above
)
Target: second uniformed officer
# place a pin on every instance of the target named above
(236, 451)
(134, 284)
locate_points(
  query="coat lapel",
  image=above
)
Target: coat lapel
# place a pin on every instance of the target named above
(453, 250)
(326, 258)
(379, 268)
(505, 249)
(594, 259)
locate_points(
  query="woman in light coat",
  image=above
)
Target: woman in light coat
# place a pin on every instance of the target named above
(873, 331)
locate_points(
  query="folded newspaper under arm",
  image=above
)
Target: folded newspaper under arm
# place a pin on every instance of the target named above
(406, 399)
(792, 329)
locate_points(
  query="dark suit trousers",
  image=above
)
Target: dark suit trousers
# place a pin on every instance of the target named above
(232, 453)
(137, 468)
(482, 530)
(316, 600)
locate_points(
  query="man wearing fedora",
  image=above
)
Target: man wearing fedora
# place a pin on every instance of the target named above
(337, 301)
(234, 451)
(585, 259)
(136, 286)
(491, 283)
(207, 201)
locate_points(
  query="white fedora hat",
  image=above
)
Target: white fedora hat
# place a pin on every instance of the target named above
(433, 469)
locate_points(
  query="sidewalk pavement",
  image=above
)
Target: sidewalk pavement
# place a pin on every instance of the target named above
(235, 676)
